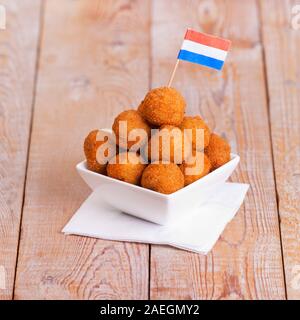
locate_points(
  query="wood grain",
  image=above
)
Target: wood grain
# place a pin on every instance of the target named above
(246, 262)
(282, 50)
(94, 64)
(18, 54)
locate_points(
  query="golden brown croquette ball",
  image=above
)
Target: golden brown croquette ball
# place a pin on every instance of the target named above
(195, 123)
(218, 151)
(132, 120)
(163, 178)
(163, 106)
(169, 144)
(95, 160)
(197, 167)
(126, 166)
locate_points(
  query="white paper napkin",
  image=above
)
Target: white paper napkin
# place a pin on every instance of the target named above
(197, 232)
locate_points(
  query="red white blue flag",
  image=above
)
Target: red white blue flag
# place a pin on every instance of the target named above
(204, 49)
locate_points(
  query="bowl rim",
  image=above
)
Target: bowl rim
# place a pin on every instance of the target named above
(81, 166)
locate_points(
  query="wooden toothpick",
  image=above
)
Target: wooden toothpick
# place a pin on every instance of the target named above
(173, 73)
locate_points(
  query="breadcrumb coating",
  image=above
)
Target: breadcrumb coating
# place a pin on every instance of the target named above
(163, 106)
(195, 123)
(179, 150)
(218, 151)
(130, 172)
(134, 121)
(163, 178)
(200, 167)
(95, 162)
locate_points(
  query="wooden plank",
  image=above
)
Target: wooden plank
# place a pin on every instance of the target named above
(246, 262)
(18, 54)
(94, 64)
(282, 49)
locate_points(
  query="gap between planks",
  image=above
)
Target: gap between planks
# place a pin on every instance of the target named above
(259, 9)
(38, 52)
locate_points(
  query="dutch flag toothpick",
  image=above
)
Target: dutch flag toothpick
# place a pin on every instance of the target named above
(203, 49)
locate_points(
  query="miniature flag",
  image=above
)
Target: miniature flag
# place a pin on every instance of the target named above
(204, 49)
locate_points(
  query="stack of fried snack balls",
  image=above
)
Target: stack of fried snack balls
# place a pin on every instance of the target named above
(164, 109)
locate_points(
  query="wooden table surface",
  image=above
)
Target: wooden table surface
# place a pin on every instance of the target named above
(67, 67)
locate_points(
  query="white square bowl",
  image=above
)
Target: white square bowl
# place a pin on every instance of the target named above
(151, 205)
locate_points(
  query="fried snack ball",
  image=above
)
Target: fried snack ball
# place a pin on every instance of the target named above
(218, 151)
(133, 121)
(126, 166)
(198, 167)
(163, 106)
(163, 178)
(97, 162)
(194, 123)
(180, 146)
